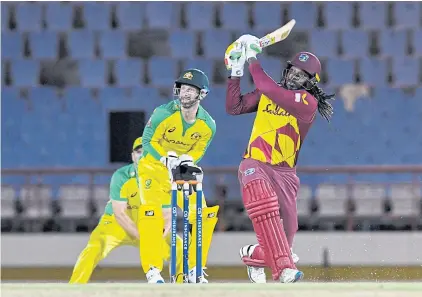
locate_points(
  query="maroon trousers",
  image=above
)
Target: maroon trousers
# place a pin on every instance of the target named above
(285, 183)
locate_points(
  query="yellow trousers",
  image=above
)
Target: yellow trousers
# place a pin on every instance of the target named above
(106, 236)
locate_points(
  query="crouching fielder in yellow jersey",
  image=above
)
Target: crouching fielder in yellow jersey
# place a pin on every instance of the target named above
(118, 225)
(180, 128)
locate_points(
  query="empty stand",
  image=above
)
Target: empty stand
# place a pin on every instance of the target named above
(373, 15)
(182, 44)
(113, 44)
(28, 16)
(130, 15)
(200, 15)
(355, 43)
(162, 15)
(92, 73)
(215, 43)
(11, 45)
(305, 14)
(338, 15)
(97, 15)
(44, 45)
(59, 16)
(102, 74)
(81, 44)
(267, 16)
(129, 72)
(162, 71)
(234, 15)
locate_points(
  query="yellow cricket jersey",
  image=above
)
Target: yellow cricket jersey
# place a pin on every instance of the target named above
(124, 187)
(277, 135)
(167, 131)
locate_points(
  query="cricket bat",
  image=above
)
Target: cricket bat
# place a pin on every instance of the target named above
(269, 39)
(277, 35)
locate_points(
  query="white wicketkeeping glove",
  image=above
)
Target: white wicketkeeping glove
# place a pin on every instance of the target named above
(252, 46)
(170, 161)
(235, 58)
(185, 160)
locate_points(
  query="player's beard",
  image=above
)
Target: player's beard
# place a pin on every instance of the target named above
(188, 101)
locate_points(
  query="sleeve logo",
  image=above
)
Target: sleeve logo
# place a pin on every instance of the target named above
(301, 97)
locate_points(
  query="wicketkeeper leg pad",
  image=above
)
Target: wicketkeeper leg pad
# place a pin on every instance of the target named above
(263, 208)
(209, 221)
(151, 243)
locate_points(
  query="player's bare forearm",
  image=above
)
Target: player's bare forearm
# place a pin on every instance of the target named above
(236, 103)
(119, 209)
(281, 96)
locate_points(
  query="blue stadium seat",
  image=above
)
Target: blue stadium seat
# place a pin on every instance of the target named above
(44, 101)
(4, 16)
(80, 102)
(92, 73)
(407, 14)
(213, 49)
(44, 45)
(81, 44)
(267, 16)
(373, 71)
(340, 71)
(373, 15)
(417, 42)
(234, 16)
(162, 15)
(305, 14)
(162, 71)
(28, 16)
(147, 99)
(338, 15)
(182, 44)
(97, 16)
(202, 64)
(59, 16)
(115, 99)
(393, 43)
(11, 45)
(113, 44)
(273, 67)
(355, 43)
(200, 15)
(13, 109)
(130, 15)
(129, 72)
(25, 73)
(405, 71)
(324, 43)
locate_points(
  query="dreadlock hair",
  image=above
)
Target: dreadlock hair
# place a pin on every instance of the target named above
(325, 108)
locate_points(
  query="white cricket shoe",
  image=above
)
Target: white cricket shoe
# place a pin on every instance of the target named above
(192, 276)
(154, 276)
(255, 274)
(291, 275)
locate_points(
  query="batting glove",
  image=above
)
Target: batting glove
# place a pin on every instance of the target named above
(251, 44)
(235, 58)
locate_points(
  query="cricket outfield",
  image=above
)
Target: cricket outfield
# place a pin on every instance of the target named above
(218, 289)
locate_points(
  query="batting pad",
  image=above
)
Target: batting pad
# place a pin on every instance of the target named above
(151, 243)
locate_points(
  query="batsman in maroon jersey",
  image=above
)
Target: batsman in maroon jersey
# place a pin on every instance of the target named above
(285, 112)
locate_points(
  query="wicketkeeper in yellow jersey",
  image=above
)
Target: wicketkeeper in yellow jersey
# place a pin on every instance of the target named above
(118, 225)
(178, 131)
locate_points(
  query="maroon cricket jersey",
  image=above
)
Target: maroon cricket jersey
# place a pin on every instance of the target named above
(283, 117)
